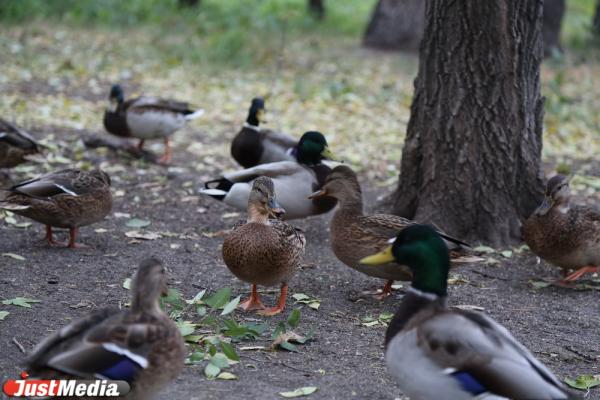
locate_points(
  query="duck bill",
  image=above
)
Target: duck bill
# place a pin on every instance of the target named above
(317, 194)
(260, 116)
(383, 257)
(328, 154)
(164, 292)
(545, 206)
(275, 210)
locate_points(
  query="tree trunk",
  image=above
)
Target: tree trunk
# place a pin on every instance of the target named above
(471, 159)
(317, 8)
(596, 21)
(553, 14)
(396, 25)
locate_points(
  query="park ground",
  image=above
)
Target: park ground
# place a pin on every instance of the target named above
(54, 80)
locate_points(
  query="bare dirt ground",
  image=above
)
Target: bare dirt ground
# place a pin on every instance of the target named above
(345, 359)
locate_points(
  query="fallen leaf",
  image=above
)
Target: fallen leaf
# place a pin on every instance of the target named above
(469, 307)
(127, 283)
(228, 376)
(20, 301)
(506, 253)
(13, 255)
(229, 307)
(3, 315)
(303, 391)
(143, 235)
(138, 223)
(583, 382)
(211, 370)
(484, 249)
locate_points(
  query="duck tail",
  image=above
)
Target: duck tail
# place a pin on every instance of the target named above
(217, 188)
(195, 114)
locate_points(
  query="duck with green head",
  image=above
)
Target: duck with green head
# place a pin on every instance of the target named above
(254, 145)
(439, 353)
(293, 180)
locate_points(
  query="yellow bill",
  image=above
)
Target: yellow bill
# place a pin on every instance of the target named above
(383, 257)
(328, 154)
(317, 194)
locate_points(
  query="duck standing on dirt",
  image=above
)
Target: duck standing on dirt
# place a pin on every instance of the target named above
(449, 354)
(354, 235)
(15, 145)
(293, 180)
(264, 251)
(147, 118)
(563, 234)
(69, 198)
(253, 146)
(141, 346)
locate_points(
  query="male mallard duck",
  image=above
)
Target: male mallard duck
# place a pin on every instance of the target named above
(354, 235)
(69, 198)
(253, 146)
(141, 345)
(15, 145)
(264, 251)
(294, 180)
(564, 235)
(147, 118)
(439, 353)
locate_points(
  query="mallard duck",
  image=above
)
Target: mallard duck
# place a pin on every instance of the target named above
(563, 234)
(439, 353)
(141, 346)
(294, 180)
(354, 235)
(253, 146)
(69, 198)
(15, 145)
(147, 118)
(264, 251)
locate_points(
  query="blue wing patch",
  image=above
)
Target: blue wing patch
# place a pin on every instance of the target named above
(124, 370)
(468, 382)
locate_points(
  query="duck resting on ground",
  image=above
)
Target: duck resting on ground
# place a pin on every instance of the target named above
(141, 346)
(147, 118)
(449, 354)
(16, 145)
(69, 198)
(264, 251)
(354, 235)
(563, 234)
(253, 146)
(293, 180)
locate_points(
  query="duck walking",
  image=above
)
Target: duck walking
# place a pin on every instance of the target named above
(254, 145)
(147, 118)
(264, 251)
(293, 180)
(354, 235)
(141, 346)
(449, 354)
(15, 145)
(69, 198)
(563, 234)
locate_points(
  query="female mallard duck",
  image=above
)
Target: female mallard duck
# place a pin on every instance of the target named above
(264, 251)
(439, 353)
(69, 198)
(564, 235)
(15, 145)
(253, 146)
(294, 180)
(147, 118)
(141, 346)
(354, 235)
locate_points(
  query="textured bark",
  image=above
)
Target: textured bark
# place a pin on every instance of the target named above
(553, 15)
(396, 25)
(471, 160)
(317, 8)
(596, 21)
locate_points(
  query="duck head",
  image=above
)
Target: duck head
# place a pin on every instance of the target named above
(257, 112)
(312, 149)
(261, 202)
(421, 249)
(115, 97)
(150, 282)
(101, 176)
(341, 184)
(557, 193)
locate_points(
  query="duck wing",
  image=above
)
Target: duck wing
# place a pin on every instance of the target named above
(68, 181)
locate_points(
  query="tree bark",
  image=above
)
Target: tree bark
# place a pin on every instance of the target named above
(396, 25)
(471, 159)
(317, 8)
(553, 15)
(596, 21)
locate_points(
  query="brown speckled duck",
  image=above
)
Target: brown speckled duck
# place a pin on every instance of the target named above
(147, 118)
(15, 145)
(141, 346)
(264, 251)
(69, 198)
(253, 145)
(563, 234)
(354, 235)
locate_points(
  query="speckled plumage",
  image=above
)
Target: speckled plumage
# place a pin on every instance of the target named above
(15, 145)
(145, 332)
